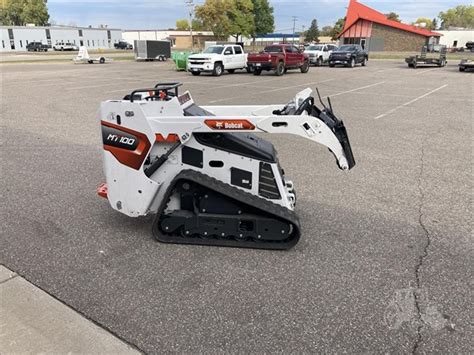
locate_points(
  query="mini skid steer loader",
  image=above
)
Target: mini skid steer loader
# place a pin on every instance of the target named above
(203, 172)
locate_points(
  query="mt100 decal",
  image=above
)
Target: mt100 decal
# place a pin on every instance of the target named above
(127, 146)
(117, 138)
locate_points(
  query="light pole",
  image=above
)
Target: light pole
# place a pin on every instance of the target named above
(190, 5)
(294, 24)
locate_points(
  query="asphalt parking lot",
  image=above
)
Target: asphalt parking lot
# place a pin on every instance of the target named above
(385, 259)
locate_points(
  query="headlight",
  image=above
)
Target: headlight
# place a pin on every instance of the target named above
(348, 55)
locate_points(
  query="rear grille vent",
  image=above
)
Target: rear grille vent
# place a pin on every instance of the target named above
(267, 186)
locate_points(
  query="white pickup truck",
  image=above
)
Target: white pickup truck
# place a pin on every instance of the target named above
(215, 59)
(319, 53)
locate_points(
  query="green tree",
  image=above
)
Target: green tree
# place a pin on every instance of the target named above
(434, 24)
(459, 16)
(428, 23)
(226, 17)
(337, 28)
(241, 17)
(12, 13)
(264, 22)
(35, 11)
(182, 24)
(393, 16)
(327, 31)
(312, 34)
(198, 25)
(21, 12)
(3, 14)
(213, 14)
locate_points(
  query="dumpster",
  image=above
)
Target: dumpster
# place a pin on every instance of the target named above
(181, 59)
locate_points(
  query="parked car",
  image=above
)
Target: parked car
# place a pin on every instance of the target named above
(65, 46)
(280, 58)
(349, 55)
(215, 59)
(37, 47)
(122, 45)
(466, 64)
(319, 53)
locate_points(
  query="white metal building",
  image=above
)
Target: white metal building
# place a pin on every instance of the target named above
(456, 38)
(16, 38)
(172, 35)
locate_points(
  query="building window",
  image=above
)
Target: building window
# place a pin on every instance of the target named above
(48, 34)
(104, 42)
(12, 44)
(82, 42)
(74, 41)
(21, 44)
(80, 33)
(455, 44)
(3, 44)
(88, 43)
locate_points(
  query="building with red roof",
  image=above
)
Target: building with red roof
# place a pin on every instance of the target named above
(375, 32)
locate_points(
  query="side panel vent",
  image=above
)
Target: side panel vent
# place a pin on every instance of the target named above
(267, 186)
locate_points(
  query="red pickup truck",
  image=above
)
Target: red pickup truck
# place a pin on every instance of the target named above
(278, 57)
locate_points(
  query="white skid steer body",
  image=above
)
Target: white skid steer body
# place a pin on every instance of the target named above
(202, 170)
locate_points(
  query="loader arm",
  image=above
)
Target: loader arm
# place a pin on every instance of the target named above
(320, 126)
(309, 127)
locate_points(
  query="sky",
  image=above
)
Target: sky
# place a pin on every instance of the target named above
(162, 14)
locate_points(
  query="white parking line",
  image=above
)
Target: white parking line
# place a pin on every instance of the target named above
(272, 90)
(247, 83)
(410, 102)
(356, 89)
(423, 71)
(384, 70)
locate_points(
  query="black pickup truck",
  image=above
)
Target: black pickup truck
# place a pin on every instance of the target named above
(348, 55)
(123, 45)
(37, 47)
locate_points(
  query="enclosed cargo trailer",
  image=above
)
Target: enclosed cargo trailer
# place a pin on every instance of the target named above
(152, 50)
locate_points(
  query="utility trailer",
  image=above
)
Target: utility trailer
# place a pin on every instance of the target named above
(466, 64)
(424, 60)
(84, 57)
(147, 50)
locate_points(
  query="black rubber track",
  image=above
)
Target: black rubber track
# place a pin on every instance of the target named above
(267, 208)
